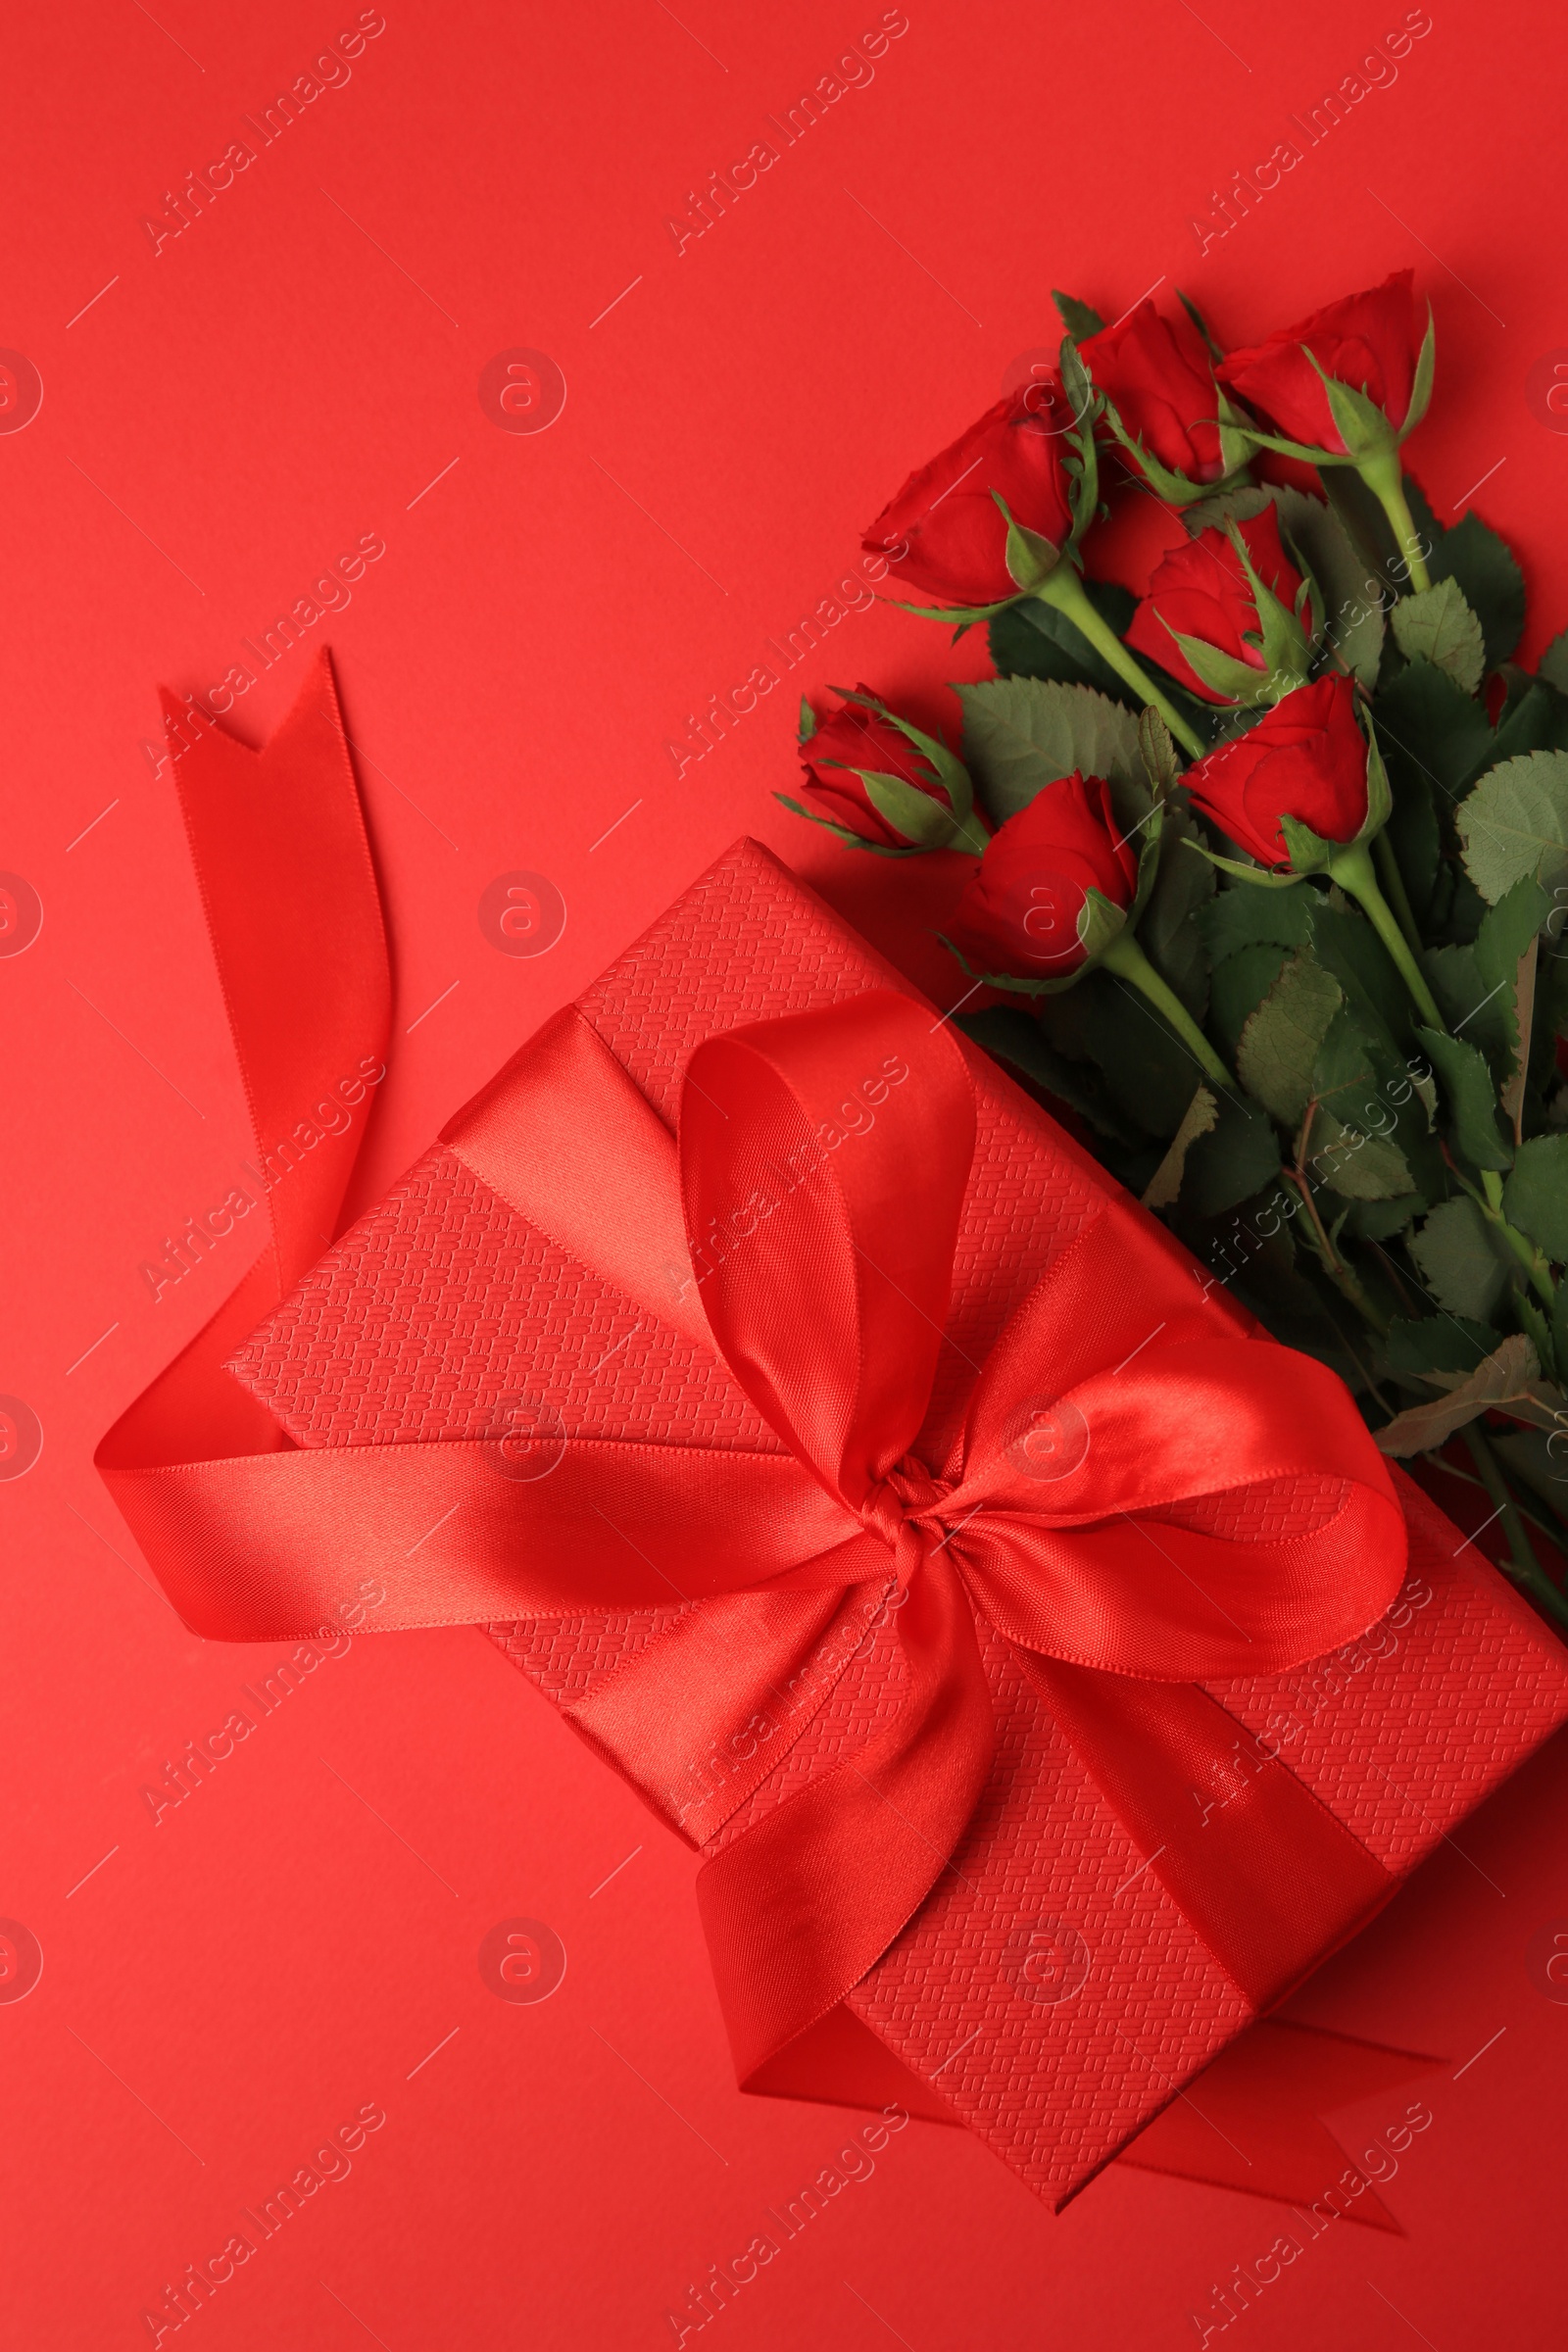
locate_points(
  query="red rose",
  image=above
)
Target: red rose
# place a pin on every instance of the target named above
(1201, 590)
(1370, 341)
(1156, 375)
(1019, 911)
(945, 534)
(1306, 760)
(852, 742)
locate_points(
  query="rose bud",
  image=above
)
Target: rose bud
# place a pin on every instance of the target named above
(1346, 387)
(1370, 341)
(1156, 376)
(1058, 893)
(1229, 615)
(882, 784)
(1306, 791)
(945, 533)
(1306, 762)
(1022, 913)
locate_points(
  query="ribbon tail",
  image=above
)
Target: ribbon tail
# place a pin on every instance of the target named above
(1256, 1864)
(703, 1714)
(263, 1546)
(797, 1908)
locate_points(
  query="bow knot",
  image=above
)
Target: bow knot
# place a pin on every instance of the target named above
(904, 1508)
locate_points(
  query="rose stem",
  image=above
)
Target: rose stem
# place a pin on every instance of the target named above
(1529, 1517)
(1338, 1272)
(1351, 868)
(1394, 883)
(1063, 589)
(1126, 956)
(1533, 1261)
(1523, 1564)
(1383, 478)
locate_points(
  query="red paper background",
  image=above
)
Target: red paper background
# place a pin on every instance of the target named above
(293, 372)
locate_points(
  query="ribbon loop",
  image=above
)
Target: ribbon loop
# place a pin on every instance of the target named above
(825, 1160)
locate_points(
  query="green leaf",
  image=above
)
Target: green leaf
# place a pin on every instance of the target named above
(1503, 1377)
(1238, 986)
(1431, 729)
(1553, 663)
(1538, 1331)
(1234, 1162)
(1472, 1094)
(1246, 918)
(1346, 944)
(1381, 1220)
(1109, 1023)
(1514, 824)
(1159, 752)
(1344, 1075)
(1533, 721)
(1465, 1268)
(1020, 734)
(1527, 1456)
(1506, 963)
(1016, 1037)
(1536, 1194)
(1413, 834)
(807, 725)
(1484, 566)
(1436, 625)
(1033, 640)
(1076, 317)
(1437, 1343)
(1352, 614)
(1169, 930)
(1280, 1043)
(1367, 527)
(1166, 1182)
(1356, 1165)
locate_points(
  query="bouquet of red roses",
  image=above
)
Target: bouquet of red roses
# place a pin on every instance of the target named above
(1272, 860)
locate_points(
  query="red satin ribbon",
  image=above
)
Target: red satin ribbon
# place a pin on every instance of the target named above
(821, 1169)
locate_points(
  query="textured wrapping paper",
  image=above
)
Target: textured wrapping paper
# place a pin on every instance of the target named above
(1049, 1994)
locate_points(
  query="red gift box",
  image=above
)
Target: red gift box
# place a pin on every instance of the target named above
(1050, 1992)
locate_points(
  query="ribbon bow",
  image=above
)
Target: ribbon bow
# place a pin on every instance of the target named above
(1072, 1510)
(1064, 1494)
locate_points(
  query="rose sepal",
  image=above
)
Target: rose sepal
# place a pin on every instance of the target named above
(1029, 556)
(1367, 432)
(1280, 638)
(1176, 489)
(967, 616)
(850, 840)
(1262, 876)
(952, 774)
(1085, 404)
(1425, 365)
(1101, 922)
